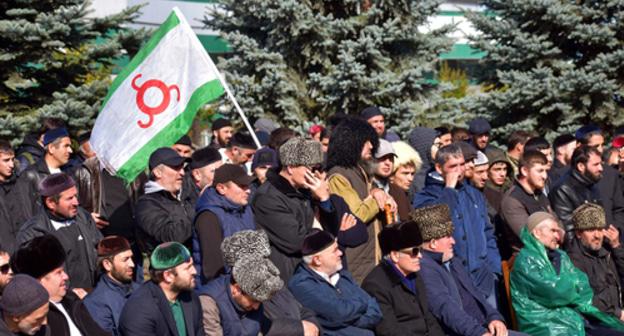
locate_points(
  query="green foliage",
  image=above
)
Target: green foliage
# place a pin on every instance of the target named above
(304, 60)
(457, 78)
(56, 61)
(559, 64)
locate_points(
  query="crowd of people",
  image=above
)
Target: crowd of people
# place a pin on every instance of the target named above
(348, 229)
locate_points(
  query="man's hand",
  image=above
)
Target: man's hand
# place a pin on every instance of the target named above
(613, 236)
(309, 329)
(348, 221)
(622, 316)
(497, 328)
(317, 185)
(393, 206)
(451, 179)
(380, 197)
(99, 222)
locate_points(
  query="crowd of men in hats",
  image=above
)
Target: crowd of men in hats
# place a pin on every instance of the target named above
(345, 230)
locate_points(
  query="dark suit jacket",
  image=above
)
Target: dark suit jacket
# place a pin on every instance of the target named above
(148, 312)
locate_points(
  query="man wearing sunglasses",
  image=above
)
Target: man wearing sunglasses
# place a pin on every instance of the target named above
(6, 274)
(396, 285)
(453, 299)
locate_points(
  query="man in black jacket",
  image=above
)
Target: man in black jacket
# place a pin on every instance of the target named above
(604, 265)
(44, 258)
(161, 215)
(70, 224)
(12, 214)
(577, 186)
(397, 287)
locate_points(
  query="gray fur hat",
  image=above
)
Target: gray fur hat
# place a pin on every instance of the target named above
(434, 221)
(257, 277)
(589, 216)
(246, 243)
(301, 152)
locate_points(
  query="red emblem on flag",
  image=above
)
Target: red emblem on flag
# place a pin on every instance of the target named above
(160, 108)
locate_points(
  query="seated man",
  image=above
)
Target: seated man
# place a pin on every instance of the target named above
(115, 285)
(24, 309)
(321, 285)
(232, 303)
(550, 295)
(453, 299)
(43, 258)
(72, 225)
(396, 285)
(604, 265)
(166, 304)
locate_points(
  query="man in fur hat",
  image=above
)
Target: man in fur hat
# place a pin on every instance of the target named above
(453, 299)
(44, 259)
(398, 287)
(351, 148)
(72, 225)
(604, 265)
(115, 285)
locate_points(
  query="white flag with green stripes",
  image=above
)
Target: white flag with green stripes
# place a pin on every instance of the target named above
(153, 101)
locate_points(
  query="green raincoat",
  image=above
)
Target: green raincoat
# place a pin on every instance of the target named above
(547, 303)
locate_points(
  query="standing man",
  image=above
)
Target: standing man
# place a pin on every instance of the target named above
(564, 146)
(200, 172)
(375, 118)
(474, 233)
(70, 224)
(221, 133)
(12, 214)
(479, 129)
(165, 305)
(160, 214)
(115, 285)
(515, 148)
(239, 150)
(184, 146)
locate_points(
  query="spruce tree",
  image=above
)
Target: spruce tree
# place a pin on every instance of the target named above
(57, 61)
(304, 60)
(557, 64)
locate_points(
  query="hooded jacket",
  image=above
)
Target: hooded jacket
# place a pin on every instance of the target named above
(421, 139)
(29, 152)
(551, 303)
(474, 236)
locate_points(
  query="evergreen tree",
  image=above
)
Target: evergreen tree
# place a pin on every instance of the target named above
(559, 64)
(55, 61)
(304, 60)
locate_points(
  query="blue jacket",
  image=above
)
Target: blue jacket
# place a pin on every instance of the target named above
(444, 298)
(148, 313)
(345, 309)
(474, 236)
(107, 300)
(232, 218)
(234, 320)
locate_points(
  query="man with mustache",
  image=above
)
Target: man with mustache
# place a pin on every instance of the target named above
(603, 263)
(72, 225)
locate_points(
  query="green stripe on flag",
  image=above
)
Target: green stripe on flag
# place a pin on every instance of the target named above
(171, 22)
(172, 132)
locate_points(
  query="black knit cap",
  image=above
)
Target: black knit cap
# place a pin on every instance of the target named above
(185, 140)
(220, 123)
(316, 241)
(369, 112)
(563, 140)
(242, 140)
(39, 256)
(203, 157)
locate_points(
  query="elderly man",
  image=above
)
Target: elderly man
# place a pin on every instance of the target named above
(24, 310)
(115, 285)
(161, 215)
(474, 233)
(72, 225)
(222, 210)
(165, 305)
(453, 299)
(603, 266)
(550, 295)
(320, 284)
(397, 286)
(43, 258)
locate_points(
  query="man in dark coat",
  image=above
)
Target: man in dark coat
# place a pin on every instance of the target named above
(459, 306)
(397, 287)
(320, 284)
(23, 310)
(70, 224)
(375, 118)
(577, 186)
(221, 133)
(43, 258)
(160, 214)
(58, 150)
(479, 129)
(32, 149)
(563, 146)
(284, 205)
(115, 285)
(12, 214)
(604, 265)
(165, 305)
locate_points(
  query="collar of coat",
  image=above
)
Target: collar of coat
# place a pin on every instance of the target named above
(283, 186)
